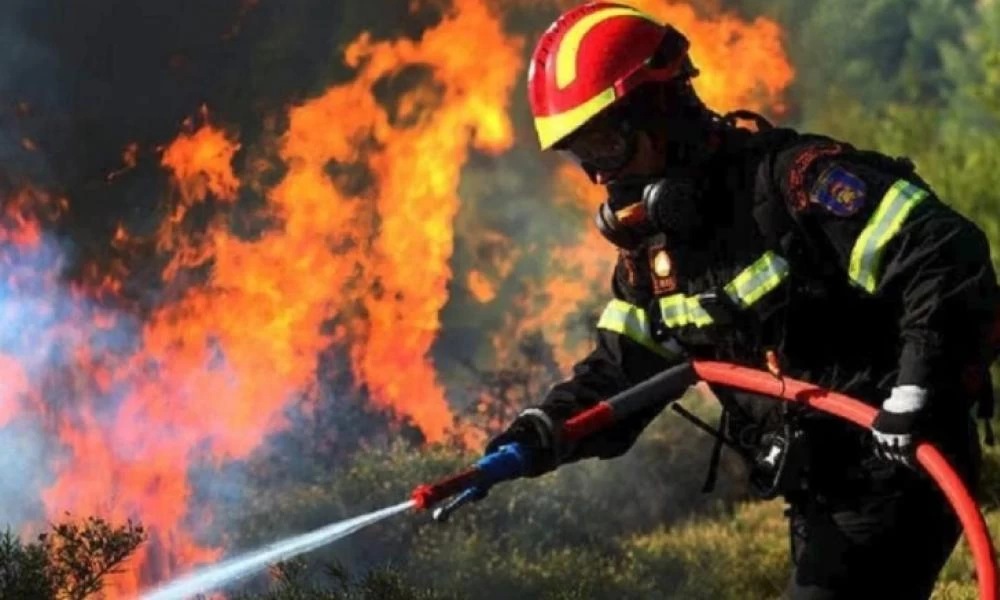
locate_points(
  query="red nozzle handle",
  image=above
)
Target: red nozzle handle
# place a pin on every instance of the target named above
(427, 495)
(583, 424)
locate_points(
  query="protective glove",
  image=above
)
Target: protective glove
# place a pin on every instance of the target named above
(896, 424)
(535, 430)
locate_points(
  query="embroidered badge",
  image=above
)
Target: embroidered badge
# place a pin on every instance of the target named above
(800, 167)
(839, 191)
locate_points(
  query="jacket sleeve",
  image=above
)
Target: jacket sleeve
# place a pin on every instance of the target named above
(886, 231)
(624, 356)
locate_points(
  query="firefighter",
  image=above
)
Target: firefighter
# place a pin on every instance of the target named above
(759, 245)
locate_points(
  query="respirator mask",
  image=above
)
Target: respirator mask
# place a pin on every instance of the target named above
(640, 207)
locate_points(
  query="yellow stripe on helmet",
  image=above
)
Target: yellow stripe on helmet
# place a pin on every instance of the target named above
(570, 45)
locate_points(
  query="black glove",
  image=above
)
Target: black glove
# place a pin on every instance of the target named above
(537, 433)
(895, 426)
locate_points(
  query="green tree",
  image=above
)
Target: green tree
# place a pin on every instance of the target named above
(69, 562)
(871, 52)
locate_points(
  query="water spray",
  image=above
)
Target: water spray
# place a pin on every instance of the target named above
(218, 576)
(511, 461)
(508, 462)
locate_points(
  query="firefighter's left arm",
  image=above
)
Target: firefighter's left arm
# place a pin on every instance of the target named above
(624, 355)
(896, 242)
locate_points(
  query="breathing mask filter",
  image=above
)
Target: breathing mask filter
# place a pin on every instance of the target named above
(640, 207)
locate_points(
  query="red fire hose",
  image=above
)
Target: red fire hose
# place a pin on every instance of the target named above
(848, 408)
(508, 462)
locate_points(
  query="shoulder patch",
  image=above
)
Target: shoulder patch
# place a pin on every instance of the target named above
(798, 171)
(838, 191)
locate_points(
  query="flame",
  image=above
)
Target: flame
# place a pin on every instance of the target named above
(481, 288)
(496, 256)
(18, 231)
(577, 274)
(207, 374)
(742, 64)
(202, 163)
(417, 201)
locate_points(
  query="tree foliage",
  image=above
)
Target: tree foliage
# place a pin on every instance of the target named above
(69, 562)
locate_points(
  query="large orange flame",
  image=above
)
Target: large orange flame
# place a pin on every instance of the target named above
(418, 172)
(742, 64)
(246, 320)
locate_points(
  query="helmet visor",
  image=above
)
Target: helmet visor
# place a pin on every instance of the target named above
(601, 148)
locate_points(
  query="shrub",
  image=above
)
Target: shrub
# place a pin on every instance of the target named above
(67, 563)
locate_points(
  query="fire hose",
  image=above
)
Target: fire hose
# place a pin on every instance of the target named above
(510, 461)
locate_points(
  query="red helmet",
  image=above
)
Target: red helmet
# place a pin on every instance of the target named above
(590, 58)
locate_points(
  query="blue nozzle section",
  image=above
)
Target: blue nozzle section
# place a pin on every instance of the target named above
(510, 461)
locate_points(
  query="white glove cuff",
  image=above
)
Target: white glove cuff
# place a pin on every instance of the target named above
(905, 399)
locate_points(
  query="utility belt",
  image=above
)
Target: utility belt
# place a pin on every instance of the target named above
(795, 453)
(771, 443)
(773, 447)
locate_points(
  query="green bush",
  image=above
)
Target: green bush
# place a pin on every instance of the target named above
(67, 563)
(291, 582)
(742, 555)
(633, 527)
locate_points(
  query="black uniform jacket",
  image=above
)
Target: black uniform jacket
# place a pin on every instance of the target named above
(842, 262)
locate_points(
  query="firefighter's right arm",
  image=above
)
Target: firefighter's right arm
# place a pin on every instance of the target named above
(624, 355)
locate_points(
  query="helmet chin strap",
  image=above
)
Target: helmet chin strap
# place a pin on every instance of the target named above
(685, 140)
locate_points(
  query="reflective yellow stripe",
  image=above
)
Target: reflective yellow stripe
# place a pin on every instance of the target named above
(679, 310)
(630, 321)
(570, 45)
(758, 279)
(882, 226)
(749, 286)
(553, 128)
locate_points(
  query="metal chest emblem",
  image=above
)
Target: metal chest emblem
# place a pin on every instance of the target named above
(661, 264)
(662, 268)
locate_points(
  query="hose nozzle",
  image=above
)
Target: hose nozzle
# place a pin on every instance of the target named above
(508, 462)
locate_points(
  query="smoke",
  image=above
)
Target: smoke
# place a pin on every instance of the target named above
(21, 56)
(44, 327)
(24, 444)
(150, 352)
(24, 451)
